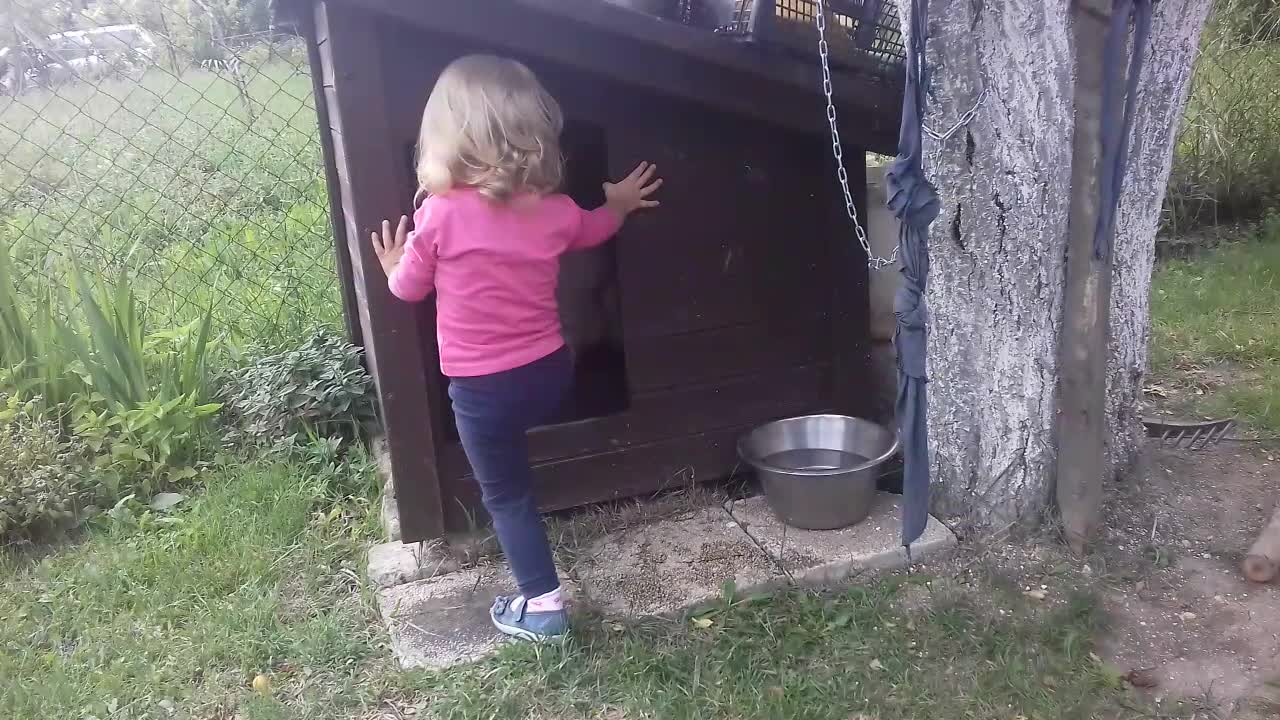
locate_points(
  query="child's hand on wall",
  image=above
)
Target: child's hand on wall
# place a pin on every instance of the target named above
(390, 247)
(632, 192)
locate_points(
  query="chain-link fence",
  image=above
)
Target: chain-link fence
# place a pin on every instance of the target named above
(1227, 161)
(174, 141)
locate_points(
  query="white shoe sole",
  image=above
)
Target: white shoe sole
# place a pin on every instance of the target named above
(522, 634)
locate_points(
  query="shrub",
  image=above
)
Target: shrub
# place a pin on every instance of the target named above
(319, 388)
(43, 480)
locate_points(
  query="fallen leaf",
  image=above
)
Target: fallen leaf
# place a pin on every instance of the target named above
(1036, 594)
(703, 623)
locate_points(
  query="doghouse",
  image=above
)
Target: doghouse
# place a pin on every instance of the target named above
(741, 300)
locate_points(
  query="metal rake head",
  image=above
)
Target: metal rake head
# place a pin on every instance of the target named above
(1189, 435)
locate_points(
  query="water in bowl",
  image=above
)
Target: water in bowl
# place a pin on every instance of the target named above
(814, 459)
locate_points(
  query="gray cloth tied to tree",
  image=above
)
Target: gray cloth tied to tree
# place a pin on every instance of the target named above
(914, 201)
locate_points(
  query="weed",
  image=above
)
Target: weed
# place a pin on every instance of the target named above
(1219, 310)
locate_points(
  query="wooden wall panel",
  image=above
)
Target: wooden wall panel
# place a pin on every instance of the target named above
(370, 189)
(742, 300)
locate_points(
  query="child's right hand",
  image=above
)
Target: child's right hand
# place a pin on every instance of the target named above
(389, 246)
(632, 192)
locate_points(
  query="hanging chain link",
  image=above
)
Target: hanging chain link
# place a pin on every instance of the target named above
(941, 137)
(874, 261)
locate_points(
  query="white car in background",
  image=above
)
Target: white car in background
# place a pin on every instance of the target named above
(77, 53)
(130, 42)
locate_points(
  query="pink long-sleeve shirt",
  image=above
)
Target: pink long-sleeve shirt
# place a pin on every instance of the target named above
(493, 268)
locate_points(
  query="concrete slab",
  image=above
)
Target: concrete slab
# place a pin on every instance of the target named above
(443, 621)
(395, 563)
(661, 568)
(671, 565)
(829, 556)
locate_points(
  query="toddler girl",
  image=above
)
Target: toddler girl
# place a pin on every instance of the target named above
(487, 240)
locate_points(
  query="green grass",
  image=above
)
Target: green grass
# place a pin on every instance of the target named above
(259, 574)
(258, 571)
(1222, 310)
(206, 199)
(853, 654)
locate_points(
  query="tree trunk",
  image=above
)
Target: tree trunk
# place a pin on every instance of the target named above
(997, 251)
(1166, 81)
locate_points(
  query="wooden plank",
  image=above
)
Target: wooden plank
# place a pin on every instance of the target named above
(705, 356)
(371, 189)
(668, 58)
(716, 259)
(671, 413)
(1087, 302)
(342, 257)
(635, 471)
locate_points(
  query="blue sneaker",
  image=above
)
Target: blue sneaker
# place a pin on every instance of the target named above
(512, 617)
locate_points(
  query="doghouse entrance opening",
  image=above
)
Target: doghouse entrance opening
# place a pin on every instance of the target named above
(590, 307)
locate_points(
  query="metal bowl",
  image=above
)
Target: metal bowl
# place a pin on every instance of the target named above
(819, 471)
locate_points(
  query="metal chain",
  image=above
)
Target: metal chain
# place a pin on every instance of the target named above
(874, 261)
(942, 137)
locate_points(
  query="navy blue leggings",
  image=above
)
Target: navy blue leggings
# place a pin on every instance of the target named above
(493, 414)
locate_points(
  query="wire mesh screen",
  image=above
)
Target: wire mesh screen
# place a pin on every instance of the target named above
(173, 143)
(1226, 167)
(873, 48)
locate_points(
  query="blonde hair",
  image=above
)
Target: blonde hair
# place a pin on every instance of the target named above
(490, 125)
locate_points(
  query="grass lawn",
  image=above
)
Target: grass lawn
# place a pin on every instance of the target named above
(205, 197)
(1216, 329)
(154, 615)
(159, 611)
(160, 616)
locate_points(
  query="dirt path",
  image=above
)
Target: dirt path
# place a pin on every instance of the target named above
(1182, 613)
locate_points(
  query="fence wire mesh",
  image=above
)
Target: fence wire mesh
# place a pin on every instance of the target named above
(174, 141)
(1226, 166)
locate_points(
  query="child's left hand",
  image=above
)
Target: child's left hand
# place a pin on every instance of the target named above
(389, 246)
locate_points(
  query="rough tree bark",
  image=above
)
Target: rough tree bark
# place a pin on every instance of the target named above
(998, 249)
(1166, 82)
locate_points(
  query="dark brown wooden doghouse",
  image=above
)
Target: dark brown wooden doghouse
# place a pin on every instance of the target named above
(742, 299)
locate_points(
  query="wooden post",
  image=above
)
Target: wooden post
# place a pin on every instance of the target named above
(1086, 312)
(342, 256)
(1263, 560)
(373, 187)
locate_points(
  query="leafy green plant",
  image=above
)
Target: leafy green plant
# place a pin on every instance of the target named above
(318, 388)
(151, 442)
(43, 479)
(33, 362)
(147, 406)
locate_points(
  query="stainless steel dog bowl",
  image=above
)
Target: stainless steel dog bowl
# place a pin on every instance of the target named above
(819, 471)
